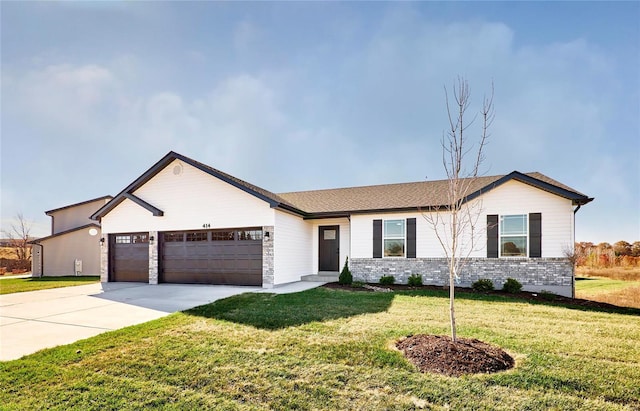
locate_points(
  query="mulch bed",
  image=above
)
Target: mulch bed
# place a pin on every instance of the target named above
(439, 354)
(524, 295)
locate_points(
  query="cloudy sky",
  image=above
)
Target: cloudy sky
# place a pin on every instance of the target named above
(298, 96)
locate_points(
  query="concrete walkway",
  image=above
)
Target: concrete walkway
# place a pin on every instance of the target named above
(34, 320)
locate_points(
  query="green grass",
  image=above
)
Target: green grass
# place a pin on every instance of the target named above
(332, 349)
(589, 286)
(18, 285)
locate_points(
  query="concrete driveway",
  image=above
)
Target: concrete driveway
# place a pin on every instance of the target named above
(34, 320)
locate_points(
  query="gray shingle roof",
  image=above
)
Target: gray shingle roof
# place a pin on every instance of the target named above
(422, 194)
(341, 201)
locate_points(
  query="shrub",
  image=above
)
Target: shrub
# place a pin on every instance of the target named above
(512, 286)
(414, 280)
(387, 280)
(358, 284)
(345, 274)
(547, 295)
(483, 285)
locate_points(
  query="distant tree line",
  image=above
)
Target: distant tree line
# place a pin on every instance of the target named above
(603, 255)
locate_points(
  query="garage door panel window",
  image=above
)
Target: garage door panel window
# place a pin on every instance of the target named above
(173, 237)
(197, 236)
(140, 238)
(246, 235)
(123, 239)
(222, 235)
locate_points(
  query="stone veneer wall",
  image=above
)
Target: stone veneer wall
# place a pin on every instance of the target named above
(153, 257)
(104, 260)
(535, 274)
(267, 257)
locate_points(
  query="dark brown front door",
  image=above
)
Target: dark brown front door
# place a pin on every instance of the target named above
(129, 257)
(329, 253)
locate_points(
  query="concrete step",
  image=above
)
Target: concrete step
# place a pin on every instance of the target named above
(327, 277)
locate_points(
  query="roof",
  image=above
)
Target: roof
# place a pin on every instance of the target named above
(78, 204)
(423, 194)
(343, 201)
(273, 199)
(73, 230)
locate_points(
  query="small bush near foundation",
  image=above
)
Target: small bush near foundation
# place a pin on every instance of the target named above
(357, 284)
(414, 280)
(387, 280)
(483, 285)
(512, 286)
(345, 274)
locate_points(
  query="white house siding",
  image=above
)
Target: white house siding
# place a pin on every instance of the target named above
(189, 200)
(292, 248)
(427, 244)
(345, 239)
(76, 216)
(512, 197)
(552, 272)
(61, 252)
(515, 197)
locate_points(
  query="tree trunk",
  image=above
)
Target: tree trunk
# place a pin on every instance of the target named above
(452, 312)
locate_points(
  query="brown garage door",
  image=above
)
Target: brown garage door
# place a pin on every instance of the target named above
(232, 256)
(129, 257)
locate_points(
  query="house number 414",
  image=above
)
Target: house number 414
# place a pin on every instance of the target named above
(206, 225)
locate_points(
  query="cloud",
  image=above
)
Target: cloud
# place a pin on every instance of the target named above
(64, 96)
(316, 110)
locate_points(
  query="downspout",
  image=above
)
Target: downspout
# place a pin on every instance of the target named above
(573, 269)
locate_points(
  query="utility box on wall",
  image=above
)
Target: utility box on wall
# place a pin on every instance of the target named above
(77, 266)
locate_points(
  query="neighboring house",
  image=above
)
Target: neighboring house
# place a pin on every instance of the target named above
(185, 222)
(73, 246)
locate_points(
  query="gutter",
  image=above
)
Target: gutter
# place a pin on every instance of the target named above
(573, 277)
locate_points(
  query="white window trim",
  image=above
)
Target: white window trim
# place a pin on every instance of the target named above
(526, 235)
(403, 238)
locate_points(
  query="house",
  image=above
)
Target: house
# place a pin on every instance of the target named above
(73, 246)
(185, 222)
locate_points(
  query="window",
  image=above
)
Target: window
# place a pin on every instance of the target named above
(222, 236)
(249, 235)
(173, 237)
(123, 239)
(140, 238)
(513, 235)
(197, 236)
(393, 238)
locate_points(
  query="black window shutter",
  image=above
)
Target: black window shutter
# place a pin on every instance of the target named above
(535, 235)
(492, 236)
(411, 238)
(377, 238)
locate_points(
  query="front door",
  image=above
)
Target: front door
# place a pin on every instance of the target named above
(329, 253)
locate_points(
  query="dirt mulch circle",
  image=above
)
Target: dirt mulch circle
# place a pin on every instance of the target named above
(439, 354)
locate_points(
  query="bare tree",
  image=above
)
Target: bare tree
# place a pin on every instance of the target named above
(456, 224)
(18, 236)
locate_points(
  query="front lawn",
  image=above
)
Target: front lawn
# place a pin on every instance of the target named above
(18, 285)
(333, 349)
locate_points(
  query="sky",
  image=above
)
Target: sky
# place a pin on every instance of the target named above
(296, 96)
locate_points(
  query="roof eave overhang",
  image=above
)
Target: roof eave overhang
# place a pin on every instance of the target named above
(576, 198)
(165, 161)
(38, 240)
